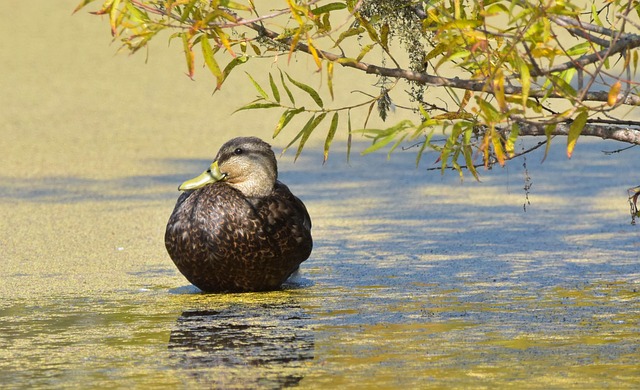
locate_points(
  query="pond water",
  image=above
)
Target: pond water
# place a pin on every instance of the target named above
(417, 280)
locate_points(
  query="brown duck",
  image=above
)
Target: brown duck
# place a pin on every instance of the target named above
(236, 227)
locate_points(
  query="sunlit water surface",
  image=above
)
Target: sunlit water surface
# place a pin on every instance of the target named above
(417, 280)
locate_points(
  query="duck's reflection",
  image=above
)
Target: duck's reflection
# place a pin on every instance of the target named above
(244, 345)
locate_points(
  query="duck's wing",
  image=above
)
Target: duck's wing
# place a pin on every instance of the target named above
(297, 209)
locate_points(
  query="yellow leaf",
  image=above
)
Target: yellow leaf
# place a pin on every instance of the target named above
(210, 61)
(525, 79)
(189, 56)
(330, 78)
(575, 130)
(497, 147)
(498, 91)
(314, 53)
(612, 99)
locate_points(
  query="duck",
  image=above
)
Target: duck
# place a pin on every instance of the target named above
(236, 227)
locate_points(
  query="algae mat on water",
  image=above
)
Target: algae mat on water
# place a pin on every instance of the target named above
(416, 280)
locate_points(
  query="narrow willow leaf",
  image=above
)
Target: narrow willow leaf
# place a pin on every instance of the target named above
(525, 80)
(286, 89)
(497, 147)
(285, 119)
(436, 51)
(210, 61)
(314, 53)
(232, 64)
(395, 145)
(594, 15)
(187, 10)
(82, 4)
(379, 144)
(575, 129)
(113, 16)
(421, 149)
(366, 120)
(328, 8)
(489, 112)
(330, 78)
(258, 87)
(310, 91)
(498, 91)
(579, 49)
(274, 89)
(307, 133)
(384, 36)
(373, 34)
(235, 5)
(254, 106)
(332, 132)
(364, 52)
(467, 152)
(349, 33)
(189, 56)
(224, 39)
(297, 137)
(548, 132)
(511, 141)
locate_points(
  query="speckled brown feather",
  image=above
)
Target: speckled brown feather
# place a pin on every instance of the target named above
(223, 241)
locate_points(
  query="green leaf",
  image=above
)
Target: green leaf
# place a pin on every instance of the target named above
(379, 144)
(286, 89)
(349, 33)
(274, 89)
(312, 92)
(232, 64)
(575, 129)
(307, 132)
(254, 106)
(330, 78)
(258, 87)
(210, 61)
(332, 132)
(513, 136)
(548, 131)
(285, 119)
(187, 10)
(422, 148)
(328, 8)
(364, 52)
(525, 79)
(398, 142)
(82, 4)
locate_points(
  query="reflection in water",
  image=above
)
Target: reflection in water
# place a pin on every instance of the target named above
(242, 345)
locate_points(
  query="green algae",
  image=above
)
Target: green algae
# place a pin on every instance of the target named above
(415, 281)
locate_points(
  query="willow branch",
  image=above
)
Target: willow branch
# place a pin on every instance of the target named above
(629, 134)
(427, 79)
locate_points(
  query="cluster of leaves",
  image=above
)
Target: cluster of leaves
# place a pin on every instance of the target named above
(504, 70)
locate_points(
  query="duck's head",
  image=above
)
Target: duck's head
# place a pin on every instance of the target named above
(246, 163)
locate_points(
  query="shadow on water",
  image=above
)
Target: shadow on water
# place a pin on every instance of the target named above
(268, 345)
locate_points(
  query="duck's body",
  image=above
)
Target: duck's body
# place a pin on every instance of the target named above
(239, 231)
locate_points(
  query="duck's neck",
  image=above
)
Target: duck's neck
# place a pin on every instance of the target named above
(258, 185)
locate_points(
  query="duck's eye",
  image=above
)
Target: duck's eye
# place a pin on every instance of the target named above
(238, 151)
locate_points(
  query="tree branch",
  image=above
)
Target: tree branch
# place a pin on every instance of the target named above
(627, 134)
(471, 85)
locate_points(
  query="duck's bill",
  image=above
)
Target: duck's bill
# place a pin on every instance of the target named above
(209, 176)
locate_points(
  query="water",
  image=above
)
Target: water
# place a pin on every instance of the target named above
(416, 280)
